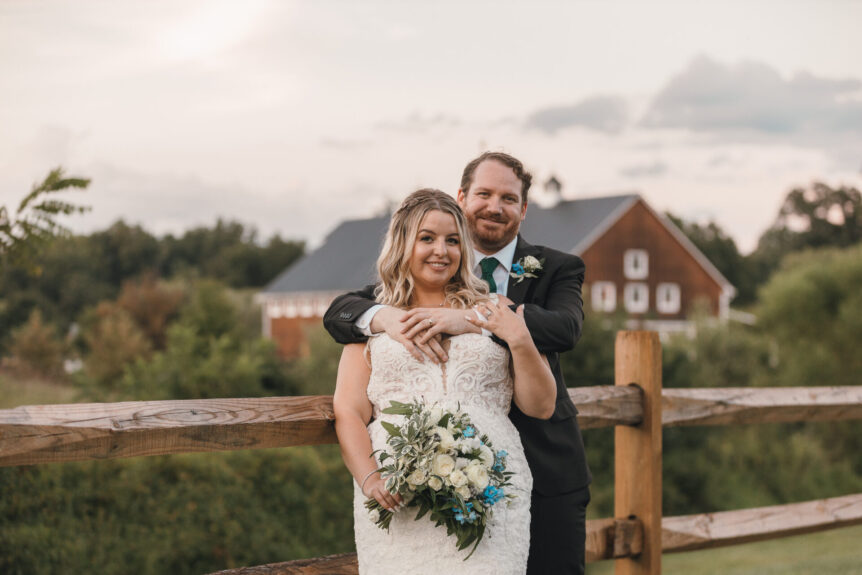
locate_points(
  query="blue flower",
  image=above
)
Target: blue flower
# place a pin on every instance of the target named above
(502, 453)
(492, 495)
(518, 268)
(498, 467)
(469, 431)
(465, 518)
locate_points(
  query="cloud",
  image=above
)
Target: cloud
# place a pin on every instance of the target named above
(754, 98)
(606, 114)
(644, 170)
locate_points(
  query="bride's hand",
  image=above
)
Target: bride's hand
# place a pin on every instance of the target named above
(502, 322)
(375, 486)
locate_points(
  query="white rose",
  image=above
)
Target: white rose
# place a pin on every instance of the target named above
(374, 515)
(443, 465)
(446, 439)
(468, 444)
(418, 477)
(531, 263)
(435, 483)
(477, 475)
(486, 455)
(464, 492)
(457, 478)
(461, 462)
(435, 414)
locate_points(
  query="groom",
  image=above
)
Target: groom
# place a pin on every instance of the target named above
(493, 196)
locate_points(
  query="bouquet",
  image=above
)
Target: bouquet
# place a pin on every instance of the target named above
(438, 461)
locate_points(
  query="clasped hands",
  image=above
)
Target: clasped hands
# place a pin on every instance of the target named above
(421, 330)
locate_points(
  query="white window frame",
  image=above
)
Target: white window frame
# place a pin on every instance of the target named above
(636, 297)
(665, 304)
(636, 264)
(604, 296)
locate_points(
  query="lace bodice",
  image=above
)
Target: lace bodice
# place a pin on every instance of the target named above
(476, 374)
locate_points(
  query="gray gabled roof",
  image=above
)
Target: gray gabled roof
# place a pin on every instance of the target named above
(347, 258)
(569, 224)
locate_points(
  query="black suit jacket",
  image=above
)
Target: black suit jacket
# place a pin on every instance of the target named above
(553, 311)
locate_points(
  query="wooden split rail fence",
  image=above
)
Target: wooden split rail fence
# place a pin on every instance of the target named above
(635, 538)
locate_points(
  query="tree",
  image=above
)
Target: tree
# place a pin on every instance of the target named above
(816, 217)
(35, 220)
(721, 250)
(812, 308)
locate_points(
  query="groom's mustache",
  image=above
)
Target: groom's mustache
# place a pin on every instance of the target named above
(499, 218)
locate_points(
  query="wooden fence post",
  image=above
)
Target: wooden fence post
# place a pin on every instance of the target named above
(637, 451)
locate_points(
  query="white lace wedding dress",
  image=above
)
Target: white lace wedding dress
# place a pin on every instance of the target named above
(477, 376)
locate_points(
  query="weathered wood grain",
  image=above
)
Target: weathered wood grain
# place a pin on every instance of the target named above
(51, 433)
(607, 405)
(606, 539)
(613, 538)
(638, 452)
(708, 530)
(344, 564)
(724, 406)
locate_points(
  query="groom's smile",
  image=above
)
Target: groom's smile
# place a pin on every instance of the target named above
(493, 206)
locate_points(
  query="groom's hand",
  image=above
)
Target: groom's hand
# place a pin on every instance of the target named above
(425, 324)
(391, 320)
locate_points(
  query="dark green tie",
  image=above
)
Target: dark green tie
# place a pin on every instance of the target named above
(488, 266)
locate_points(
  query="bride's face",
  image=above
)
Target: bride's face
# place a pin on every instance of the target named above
(436, 251)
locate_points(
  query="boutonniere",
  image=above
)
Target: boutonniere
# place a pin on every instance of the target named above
(526, 267)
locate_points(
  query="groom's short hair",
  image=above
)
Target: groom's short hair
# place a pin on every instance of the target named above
(511, 161)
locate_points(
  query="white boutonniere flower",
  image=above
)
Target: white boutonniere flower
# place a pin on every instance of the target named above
(526, 267)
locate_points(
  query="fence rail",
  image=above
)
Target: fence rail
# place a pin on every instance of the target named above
(636, 406)
(36, 434)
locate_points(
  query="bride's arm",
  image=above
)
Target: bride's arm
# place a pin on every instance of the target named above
(535, 390)
(352, 414)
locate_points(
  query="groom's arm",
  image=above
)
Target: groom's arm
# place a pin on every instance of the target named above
(340, 319)
(556, 324)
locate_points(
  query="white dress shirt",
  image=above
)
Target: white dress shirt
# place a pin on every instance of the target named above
(505, 258)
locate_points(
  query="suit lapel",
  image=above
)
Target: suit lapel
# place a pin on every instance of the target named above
(517, 290)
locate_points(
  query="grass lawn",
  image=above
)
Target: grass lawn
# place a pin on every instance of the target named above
(836, 552)
(15, 391)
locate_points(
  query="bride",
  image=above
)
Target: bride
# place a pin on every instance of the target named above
(426, 262)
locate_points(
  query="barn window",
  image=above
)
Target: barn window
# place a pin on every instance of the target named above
(636, 296)
(667, 298)
(604, 295)
(636, 264)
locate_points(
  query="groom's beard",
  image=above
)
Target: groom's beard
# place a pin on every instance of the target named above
(492, 232)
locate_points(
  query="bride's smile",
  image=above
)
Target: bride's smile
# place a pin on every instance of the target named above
(436, 253)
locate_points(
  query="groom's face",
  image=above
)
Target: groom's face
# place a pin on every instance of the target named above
(493, 206)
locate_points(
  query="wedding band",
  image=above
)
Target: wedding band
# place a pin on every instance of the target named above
(430, 321)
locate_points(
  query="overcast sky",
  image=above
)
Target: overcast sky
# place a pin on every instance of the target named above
(292, 116)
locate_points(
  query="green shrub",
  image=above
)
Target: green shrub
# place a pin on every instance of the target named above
(187, 514)
(36, 348)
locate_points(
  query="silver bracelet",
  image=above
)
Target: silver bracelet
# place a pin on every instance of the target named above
(362, 485)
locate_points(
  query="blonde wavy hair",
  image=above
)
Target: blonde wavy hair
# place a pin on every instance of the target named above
(396, 286)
